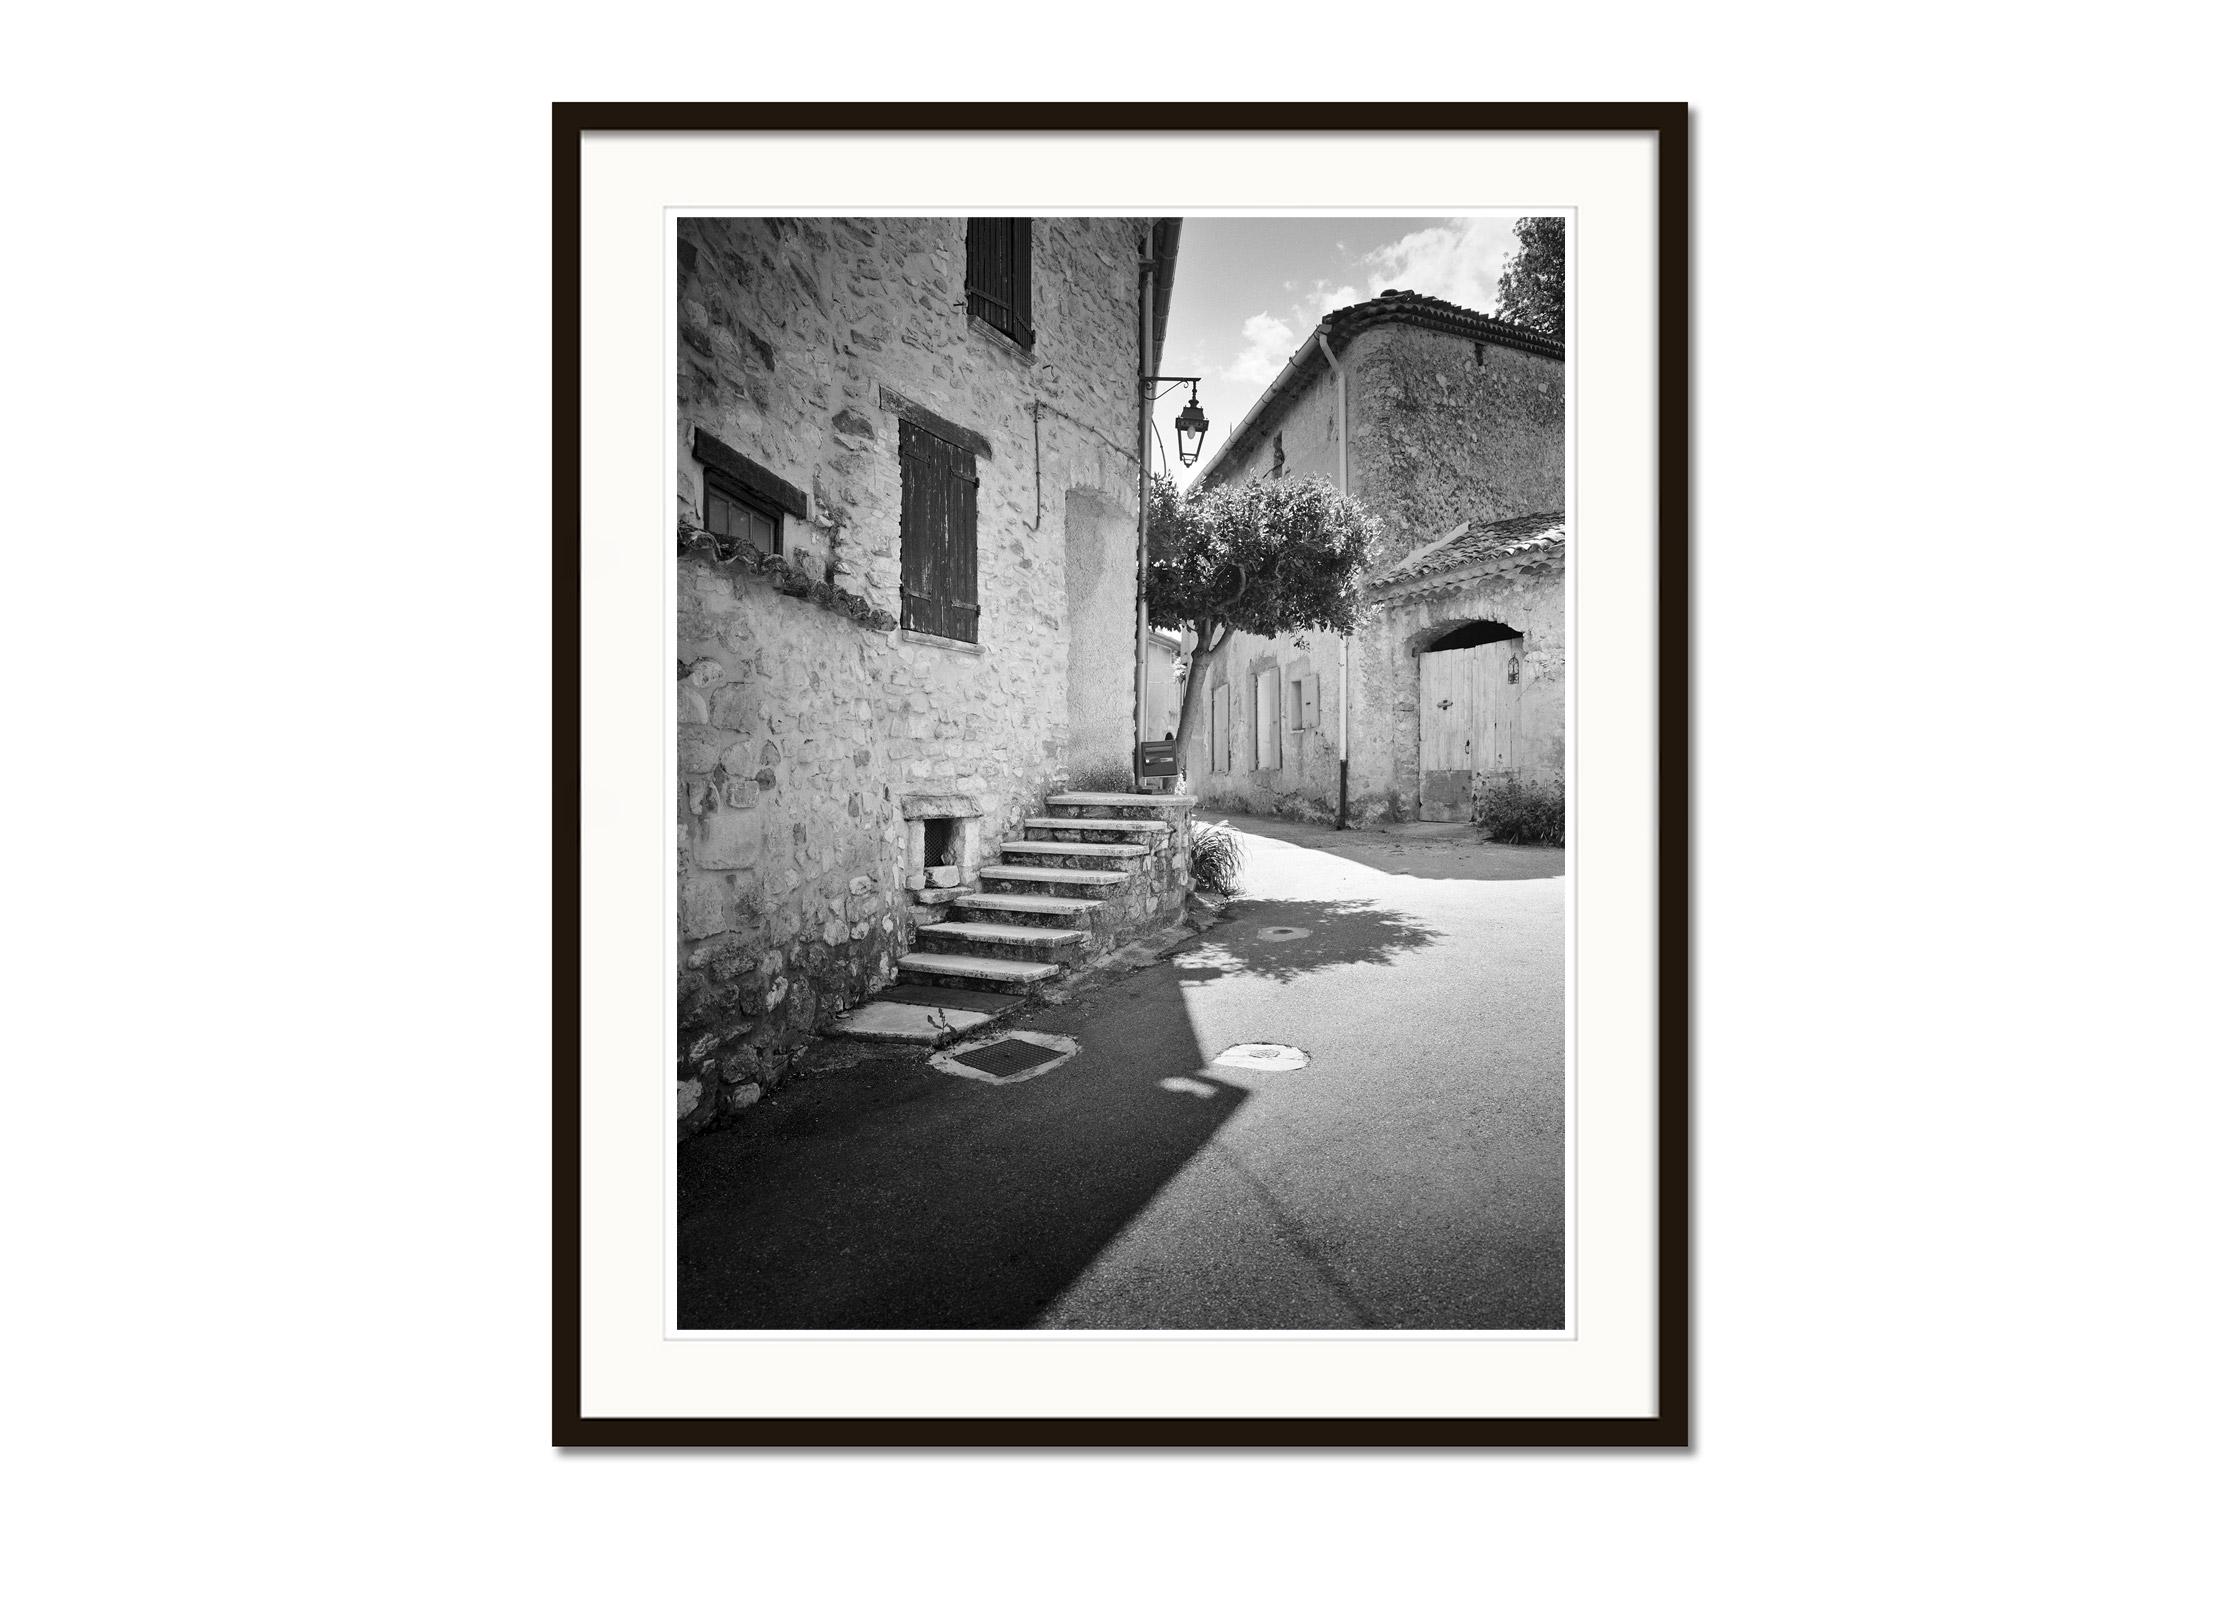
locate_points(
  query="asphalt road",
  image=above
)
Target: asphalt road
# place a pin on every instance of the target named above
(1411, 1176)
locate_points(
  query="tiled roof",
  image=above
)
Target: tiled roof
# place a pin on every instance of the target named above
(1475, 544)
(1428, 311)
(1345, 324)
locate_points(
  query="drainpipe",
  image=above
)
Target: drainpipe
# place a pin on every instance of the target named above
(1345, 641)
(1145, 267)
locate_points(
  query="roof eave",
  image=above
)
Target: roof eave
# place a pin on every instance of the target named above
(1166, 248)
(1342, 326)
(1307, 354)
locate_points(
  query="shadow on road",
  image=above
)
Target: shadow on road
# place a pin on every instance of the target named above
(893, 1196)
(1286, 939)
(1409, 849)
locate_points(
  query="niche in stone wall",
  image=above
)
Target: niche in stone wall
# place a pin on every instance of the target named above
(940, 831)
(940, 841)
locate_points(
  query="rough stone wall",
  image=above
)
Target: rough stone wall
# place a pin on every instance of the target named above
(1387, 766)
(805, 718)
(1444, 429)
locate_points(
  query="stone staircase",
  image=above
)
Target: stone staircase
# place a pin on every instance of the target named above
(1095, 872)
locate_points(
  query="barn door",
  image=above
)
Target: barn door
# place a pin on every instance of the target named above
(1469, 705)
(1443, 701)
(1496, 698)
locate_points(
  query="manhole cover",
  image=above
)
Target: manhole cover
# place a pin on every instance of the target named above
(1278, 935)
(1263, 1057)
(1011, 1058)
(1002, 1060)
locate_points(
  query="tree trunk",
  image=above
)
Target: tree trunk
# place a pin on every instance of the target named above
(1200, 653)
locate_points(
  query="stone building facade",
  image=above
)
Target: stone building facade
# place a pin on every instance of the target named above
(907, 497)
(1449, 426)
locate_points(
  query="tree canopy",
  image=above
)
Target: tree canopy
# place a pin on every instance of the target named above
(1531, 289)
(1269, 556)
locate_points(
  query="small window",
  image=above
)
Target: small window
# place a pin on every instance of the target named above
(1276, 471)
(1298, 705)
(999, 275)
(745, 519)
(745, 504)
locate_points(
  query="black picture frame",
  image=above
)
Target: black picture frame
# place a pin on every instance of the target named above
(1669, 1426)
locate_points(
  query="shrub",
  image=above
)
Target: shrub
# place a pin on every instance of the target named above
(1510, 811)
(1216, 857)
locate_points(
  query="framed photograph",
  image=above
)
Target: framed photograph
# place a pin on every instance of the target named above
(1121, 727)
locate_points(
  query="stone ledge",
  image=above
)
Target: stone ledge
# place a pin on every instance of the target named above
(783, 576)
(939, 642)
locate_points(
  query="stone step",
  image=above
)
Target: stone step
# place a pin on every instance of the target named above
(1098, 824)
(1025, 904)
(921, 1014)
(1056, 880)
(1042, 942)
(1061, 847)
(1083, 799)
(976, 971)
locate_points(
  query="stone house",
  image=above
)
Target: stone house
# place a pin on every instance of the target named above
(1449, 425)
(907, 502)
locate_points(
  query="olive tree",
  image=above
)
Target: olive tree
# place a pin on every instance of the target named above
(1269, 557)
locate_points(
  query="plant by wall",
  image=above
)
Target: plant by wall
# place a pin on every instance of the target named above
(1216, 858)
(1512, 811)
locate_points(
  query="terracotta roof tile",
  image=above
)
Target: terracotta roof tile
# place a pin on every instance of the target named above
(1477, 543)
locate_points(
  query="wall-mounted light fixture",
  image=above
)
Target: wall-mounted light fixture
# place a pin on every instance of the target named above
(1189, 422)
(1190, 428)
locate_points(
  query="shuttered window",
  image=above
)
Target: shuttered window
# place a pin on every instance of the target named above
(940, 536)
(1267, 720)
(999, 274)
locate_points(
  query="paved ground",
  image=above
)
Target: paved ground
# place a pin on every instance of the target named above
(1411, 1177)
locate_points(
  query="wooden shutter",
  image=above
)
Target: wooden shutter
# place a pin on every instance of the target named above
(1310, 693)
(940, 537)
(999, 274)
(1267, 719)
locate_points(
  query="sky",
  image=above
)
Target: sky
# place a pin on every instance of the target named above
(1248, 291)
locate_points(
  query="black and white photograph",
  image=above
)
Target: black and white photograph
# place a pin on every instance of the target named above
(1122, 728)
(1213, 803)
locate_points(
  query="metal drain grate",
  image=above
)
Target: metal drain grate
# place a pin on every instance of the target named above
(1005, 1057)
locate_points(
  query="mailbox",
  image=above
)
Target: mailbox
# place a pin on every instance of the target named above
(1155, 759)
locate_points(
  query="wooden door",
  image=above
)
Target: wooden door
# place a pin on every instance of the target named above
(1496, 699)
(1443, 703)
(1468, 703)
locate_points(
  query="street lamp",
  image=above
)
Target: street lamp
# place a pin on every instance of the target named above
(1189, 422)
(1190, 428)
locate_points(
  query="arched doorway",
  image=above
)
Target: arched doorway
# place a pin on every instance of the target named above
(1469, 697)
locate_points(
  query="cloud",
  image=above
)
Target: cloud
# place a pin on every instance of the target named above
(1268, 343)
(1459, 260)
